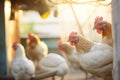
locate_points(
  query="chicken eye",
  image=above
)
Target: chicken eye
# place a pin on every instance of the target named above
(73, 37)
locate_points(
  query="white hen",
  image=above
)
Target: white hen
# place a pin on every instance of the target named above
(35, 49)
(22, 68)
(97, 59)
(69, 53)
(54, 62)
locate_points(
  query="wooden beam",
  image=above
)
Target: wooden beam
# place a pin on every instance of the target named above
(116, 38)
(3, 57)
(44, 75)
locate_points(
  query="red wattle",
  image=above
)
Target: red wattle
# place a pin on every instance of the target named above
(99, 31)
(71, 43)
(61, 50)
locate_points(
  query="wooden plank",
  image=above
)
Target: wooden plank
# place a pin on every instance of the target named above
(3, 58)
(116, 38)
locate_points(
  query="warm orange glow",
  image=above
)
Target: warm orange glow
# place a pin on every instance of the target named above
(108, 1)
(86, 14)
(85, 0)
(88, 1)
(7, 8)
(20, 12)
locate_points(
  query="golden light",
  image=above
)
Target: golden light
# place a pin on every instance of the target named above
(7, 11)
(20, 13)
(7, 8)
(85, 0)
(109, 1)
(85, 14)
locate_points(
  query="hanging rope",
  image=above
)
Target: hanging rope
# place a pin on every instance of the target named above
(77, 20)
(99, 2)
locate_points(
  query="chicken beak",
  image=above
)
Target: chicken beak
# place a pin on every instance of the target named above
(71, 43)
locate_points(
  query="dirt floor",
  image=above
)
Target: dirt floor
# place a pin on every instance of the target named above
(75, 75)
(71, 75)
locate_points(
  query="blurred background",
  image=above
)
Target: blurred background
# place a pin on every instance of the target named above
(51, 20)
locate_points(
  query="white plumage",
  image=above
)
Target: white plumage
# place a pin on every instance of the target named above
(69, 53)
(45, 48)
(54, 62)
(71, 56)
(99, 60)
(96, 58)
(36, 49)
(72, 59)
(38, 52)
(22, 68)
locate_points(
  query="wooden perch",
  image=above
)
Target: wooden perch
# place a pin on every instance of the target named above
(77, 20)
(36, 77)
(43, 75)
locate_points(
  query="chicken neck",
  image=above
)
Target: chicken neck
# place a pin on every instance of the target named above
(83, 45)
(107, 32)
(68, 49)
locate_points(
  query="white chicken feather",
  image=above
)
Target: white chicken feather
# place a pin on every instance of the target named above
(36, 49)
(69, 53)
(45, 50)
(40, 50)
(93, 62)
(97, 59)
(71, 56)
(22, 68)
(54, 62)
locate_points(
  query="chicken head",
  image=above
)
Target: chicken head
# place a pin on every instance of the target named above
(73, 38)
(99, 25)
(32, 38)
(14, 46)
(60, 47)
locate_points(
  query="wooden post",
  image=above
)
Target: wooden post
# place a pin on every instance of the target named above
(116, 38)
(3, 57)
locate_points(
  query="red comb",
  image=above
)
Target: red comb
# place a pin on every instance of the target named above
(29, 34)
(73, 34)
(97, 20)
(15, 43)
(59, 43)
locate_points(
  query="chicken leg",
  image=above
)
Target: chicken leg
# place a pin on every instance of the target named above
(53, 77)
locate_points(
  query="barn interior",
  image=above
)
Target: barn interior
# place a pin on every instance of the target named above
(50, 20)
